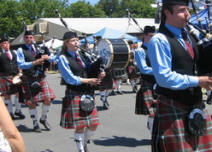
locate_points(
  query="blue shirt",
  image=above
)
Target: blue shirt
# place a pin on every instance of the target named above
(67, 74)
(159, 52)
(27, 65)
(140, 58)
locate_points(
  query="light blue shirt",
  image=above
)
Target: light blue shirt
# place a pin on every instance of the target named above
(27, 65)
(67, 74)
(140, 58)
(159, 52)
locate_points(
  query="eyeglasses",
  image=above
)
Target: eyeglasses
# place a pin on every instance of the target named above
(28, 37)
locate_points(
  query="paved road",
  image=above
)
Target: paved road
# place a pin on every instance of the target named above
(120, 130)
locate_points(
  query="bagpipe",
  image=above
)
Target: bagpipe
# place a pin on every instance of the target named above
(40, 51)
(204, 45)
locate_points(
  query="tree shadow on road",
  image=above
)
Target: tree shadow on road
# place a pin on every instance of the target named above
(122, 141)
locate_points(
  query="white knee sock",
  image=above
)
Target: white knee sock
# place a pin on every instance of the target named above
(132, 82)
(102, 95)
(33, 114)
(108, 92)
(118, 82)
(17, 105)
(9, 104)
(87, 134)
(45, 110)
(79, 138)
(150, 123)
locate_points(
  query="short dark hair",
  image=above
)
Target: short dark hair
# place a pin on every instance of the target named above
(149, 29)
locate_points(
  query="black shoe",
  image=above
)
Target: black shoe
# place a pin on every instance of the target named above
(45, 124)
(113, 93)
(12, 116)
(106, 105)
(37, 128)
(119, 92)
(20, 115)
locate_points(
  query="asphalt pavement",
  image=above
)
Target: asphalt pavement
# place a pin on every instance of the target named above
(120, 130)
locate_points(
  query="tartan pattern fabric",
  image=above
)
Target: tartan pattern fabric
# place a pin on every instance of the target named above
(145, 100)
(170, 129)
(45, 94)
(6, 86)
(70, 116)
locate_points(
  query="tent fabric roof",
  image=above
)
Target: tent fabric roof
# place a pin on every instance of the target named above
(109, 34)
(203, 16)
(91, 25)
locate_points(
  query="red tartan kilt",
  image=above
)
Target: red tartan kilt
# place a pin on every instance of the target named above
(71, 118)
(144, 100)
(133, 72)
(7, 87)
(45, 94)
(170, 130)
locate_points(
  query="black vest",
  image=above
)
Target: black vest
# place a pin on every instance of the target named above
(182, 63)
(8, 67)
(78, 71)
(147, 77)
(30, 58)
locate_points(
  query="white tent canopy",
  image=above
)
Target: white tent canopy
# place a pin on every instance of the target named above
(53, 43)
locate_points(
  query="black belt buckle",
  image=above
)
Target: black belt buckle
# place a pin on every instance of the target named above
(197, 122)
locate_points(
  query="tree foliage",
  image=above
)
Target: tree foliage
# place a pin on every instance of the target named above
(13, 12)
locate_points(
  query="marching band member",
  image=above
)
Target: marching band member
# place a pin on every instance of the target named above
(181, 120)
(9, 68)
(36, 88)
(75, 69)
(145, 100)
(132, 70)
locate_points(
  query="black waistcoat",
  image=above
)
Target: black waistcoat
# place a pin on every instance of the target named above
(78, 71)
(8, 67)
(182, 63)
(30, 58)
(147, 77)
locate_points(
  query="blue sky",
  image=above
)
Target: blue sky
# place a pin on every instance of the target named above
(92, 2)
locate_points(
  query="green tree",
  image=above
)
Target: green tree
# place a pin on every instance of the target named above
(83, 9)
(110, 7)
(10, 18)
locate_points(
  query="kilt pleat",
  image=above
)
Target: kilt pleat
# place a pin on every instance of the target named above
(7, 87)
(170, 129)
(71, 117)
(45, 94)
(145, 100)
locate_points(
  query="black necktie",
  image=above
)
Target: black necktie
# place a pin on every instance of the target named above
(188, 45)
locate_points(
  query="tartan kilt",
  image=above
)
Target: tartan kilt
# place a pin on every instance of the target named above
(70, 116)
(133, 72)
(7, 87)
(145, 100)
(45, 94)
(170, 129)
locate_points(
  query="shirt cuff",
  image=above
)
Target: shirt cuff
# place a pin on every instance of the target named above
(79, 82)
(194, 81)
